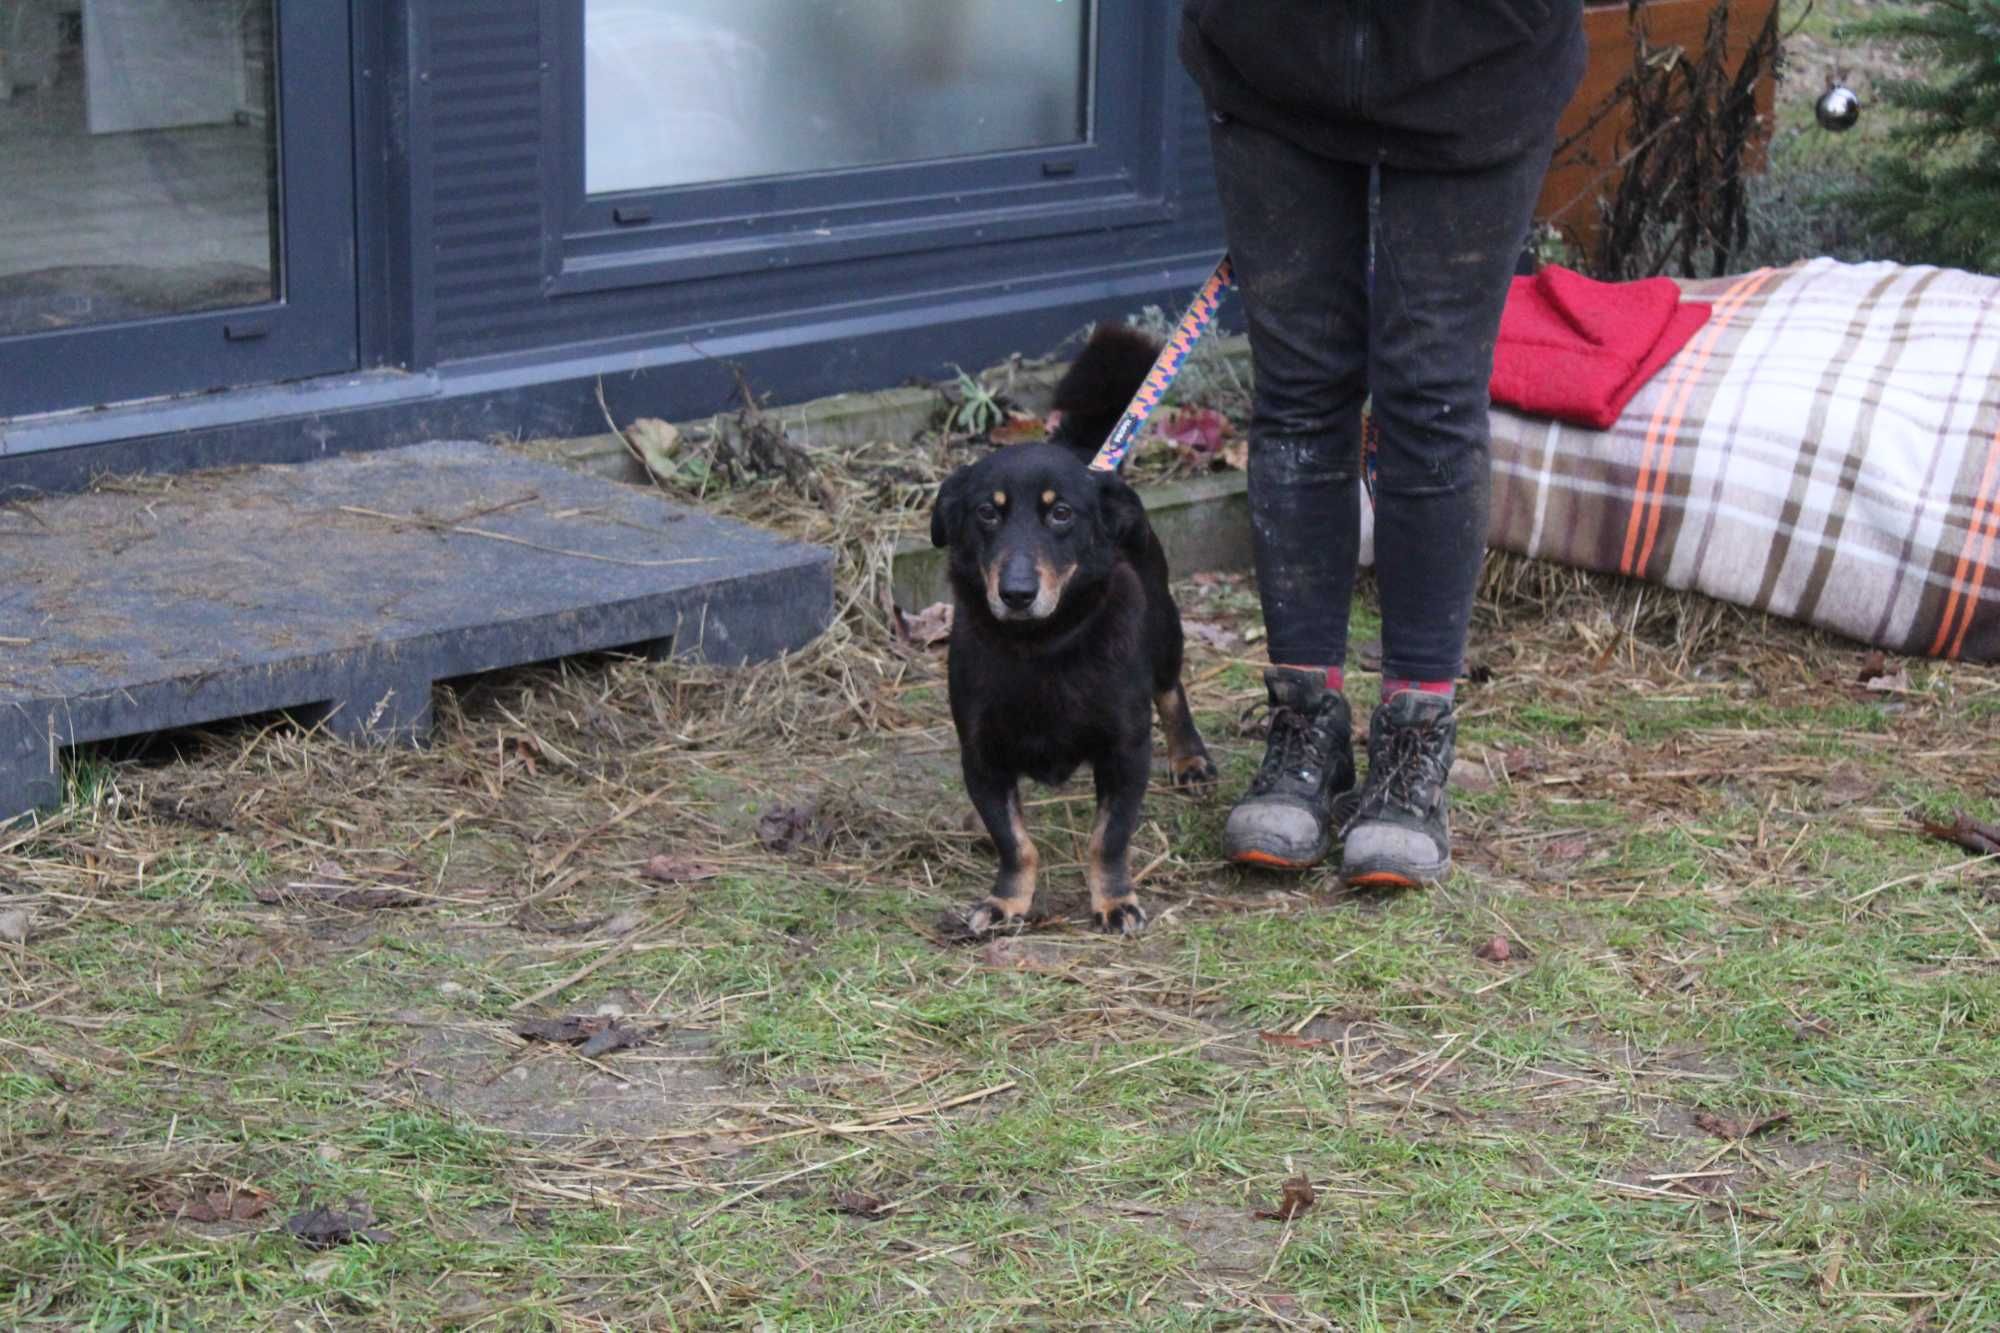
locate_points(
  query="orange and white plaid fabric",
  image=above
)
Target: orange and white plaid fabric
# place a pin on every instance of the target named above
(1826, 448)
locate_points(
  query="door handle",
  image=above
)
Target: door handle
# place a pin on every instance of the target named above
(246, 330)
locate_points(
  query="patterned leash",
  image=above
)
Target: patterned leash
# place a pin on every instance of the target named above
(1193, 323)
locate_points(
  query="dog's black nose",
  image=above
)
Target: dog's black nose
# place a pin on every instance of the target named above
(1018, 583)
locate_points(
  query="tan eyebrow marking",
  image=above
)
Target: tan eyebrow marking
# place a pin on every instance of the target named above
(1048, 497)
(1000, 498)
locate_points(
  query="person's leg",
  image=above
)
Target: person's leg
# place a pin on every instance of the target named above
(1446, 247)
(1297, 228)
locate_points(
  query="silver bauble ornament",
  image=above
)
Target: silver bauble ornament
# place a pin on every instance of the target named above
(1837, 109)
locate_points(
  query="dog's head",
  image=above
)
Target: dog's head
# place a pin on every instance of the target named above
(1031, 530)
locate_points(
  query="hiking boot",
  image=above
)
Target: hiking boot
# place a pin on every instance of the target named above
(1399, 835)
(1288, 817)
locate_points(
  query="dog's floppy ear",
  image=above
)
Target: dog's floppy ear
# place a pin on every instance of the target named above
(949, 511)
(1122, 511)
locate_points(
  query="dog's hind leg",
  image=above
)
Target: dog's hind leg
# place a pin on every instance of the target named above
(1121, 794)
(998, 801)
(1187, 757)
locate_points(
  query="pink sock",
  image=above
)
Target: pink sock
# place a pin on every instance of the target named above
(1392, 686)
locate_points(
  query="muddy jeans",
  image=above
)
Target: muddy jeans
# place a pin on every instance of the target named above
(1422, 341)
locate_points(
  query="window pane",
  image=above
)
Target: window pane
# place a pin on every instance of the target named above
(685, 91)
(138, 157)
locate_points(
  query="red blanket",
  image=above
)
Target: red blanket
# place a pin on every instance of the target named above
(1576, 349)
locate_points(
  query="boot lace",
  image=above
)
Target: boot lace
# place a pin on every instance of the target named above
(1407, 772)
(1298, 748)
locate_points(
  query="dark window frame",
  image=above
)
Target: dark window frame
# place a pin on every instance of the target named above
(1120, 175)
(312, 328)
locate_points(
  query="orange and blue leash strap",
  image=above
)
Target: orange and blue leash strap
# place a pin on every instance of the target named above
(1193, 322)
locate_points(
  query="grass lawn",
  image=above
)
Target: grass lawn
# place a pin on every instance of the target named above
(272, 970)
(1704, 1031)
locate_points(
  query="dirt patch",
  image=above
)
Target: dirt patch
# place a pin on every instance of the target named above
(550, 1095)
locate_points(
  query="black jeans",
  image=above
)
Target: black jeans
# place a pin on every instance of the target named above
(1445, 247)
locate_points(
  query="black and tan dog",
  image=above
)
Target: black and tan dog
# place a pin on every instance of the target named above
(1065, 639)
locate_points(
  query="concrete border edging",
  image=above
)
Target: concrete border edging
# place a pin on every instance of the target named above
(1204, 522)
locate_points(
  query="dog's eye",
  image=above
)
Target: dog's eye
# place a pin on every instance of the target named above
(1060, 513)
(988, 514)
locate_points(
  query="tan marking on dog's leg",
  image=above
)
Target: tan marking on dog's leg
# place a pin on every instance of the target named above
(1187, 757)
(1013, 893)
(1016, 893)
(1114, 905)
(1095, 873)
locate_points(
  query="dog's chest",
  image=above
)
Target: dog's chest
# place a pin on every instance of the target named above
(1047, 733)
(1043, 719)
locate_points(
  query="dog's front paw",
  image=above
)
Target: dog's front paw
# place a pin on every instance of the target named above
(991, 915)
(1122, 916)
(1195, 774)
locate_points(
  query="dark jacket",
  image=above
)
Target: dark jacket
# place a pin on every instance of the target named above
(1428, 84)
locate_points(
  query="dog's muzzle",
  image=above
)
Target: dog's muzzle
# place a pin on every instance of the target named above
(1021, 590)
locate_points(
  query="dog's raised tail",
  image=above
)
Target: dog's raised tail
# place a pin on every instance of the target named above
(1094, 392)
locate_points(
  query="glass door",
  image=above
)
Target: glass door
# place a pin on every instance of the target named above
(176, 198)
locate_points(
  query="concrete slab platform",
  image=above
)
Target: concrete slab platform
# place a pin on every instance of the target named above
(344, 589)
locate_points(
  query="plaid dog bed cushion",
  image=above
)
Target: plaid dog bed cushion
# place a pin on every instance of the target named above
(1826, 448)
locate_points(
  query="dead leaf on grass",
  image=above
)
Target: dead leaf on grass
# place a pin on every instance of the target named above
(1829, 1273)
(857, 1203)
(1219, 637)
(1198, 435)
(1292, 1039)
(788, 828)
(654, 441)
(1872, 665)
(926, 628)
(678, 869)
(243, 1205)
(1567, 849)
(323, 1228)
(1495, 950)
(526, 749)
(1972, 834)
(1019, 428)
(1893, 682)
(1299, 1196)
(593, 1034)
(1730, 1127)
